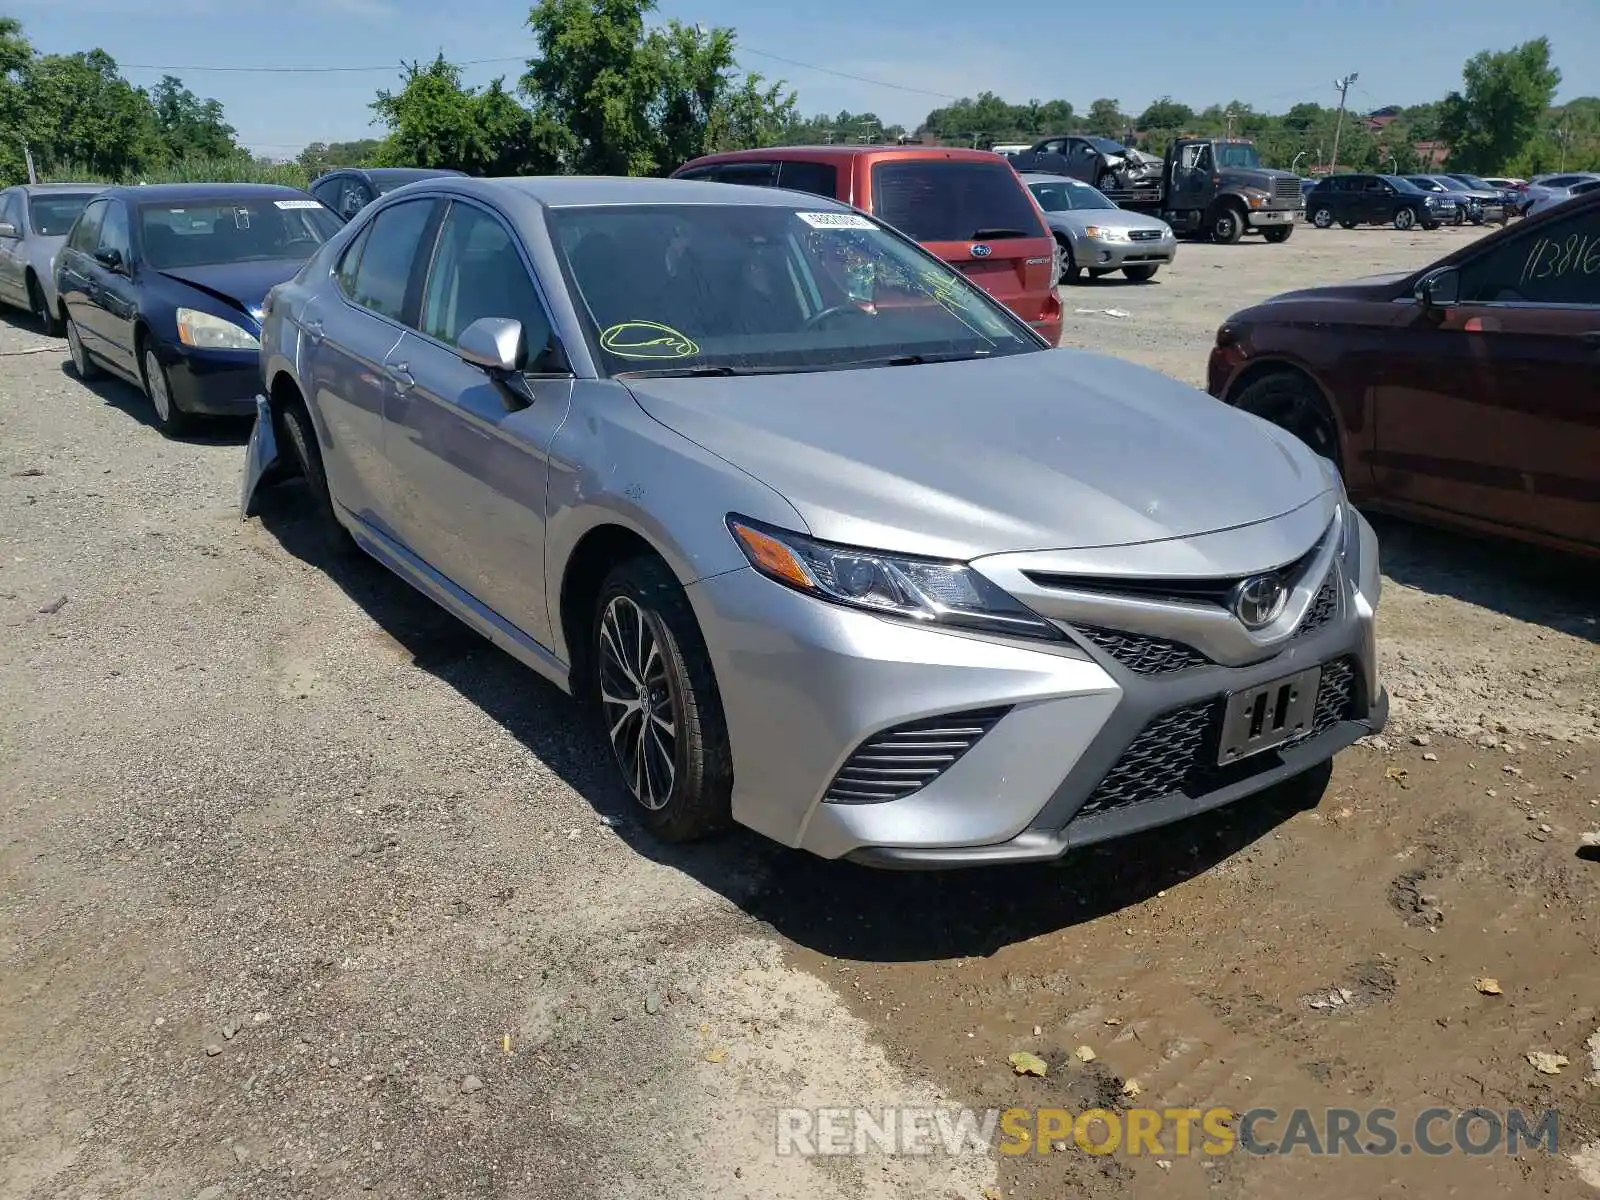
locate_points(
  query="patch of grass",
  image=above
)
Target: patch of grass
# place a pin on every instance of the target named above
(204, 170)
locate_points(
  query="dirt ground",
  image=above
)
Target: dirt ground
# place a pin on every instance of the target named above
(306, 891)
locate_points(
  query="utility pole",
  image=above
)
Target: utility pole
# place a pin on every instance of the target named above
(1229, 136)
(33, 176)
(1563, 135)
(1344, 87)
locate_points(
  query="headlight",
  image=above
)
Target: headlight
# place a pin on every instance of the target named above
(1255, 200)
(1103, 233)
(206, 332)
(919, 589)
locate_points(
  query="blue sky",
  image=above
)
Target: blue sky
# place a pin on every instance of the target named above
(1274, 54)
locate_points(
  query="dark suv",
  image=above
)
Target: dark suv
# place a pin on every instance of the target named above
(347, 190)
(1353, 200)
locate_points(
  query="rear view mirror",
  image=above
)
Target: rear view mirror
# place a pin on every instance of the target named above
(496, 344)
(8, 230)
(1440, 289)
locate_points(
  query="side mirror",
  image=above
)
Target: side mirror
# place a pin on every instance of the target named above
(495, 344)
(8, 230)
(1440, 289)
(110, 259)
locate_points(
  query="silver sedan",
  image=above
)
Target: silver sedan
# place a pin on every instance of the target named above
(1096, 236)
(833, 544)
(34, 220)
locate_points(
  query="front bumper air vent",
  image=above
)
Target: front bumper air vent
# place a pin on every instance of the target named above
(896, 762)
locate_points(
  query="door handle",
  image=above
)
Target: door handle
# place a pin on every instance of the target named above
(401, 374)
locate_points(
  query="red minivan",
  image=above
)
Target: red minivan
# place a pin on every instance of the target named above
(967, 206)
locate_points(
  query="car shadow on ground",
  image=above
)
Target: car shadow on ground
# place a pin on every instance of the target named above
(121, 395)
(834, 908)
(1528, 583)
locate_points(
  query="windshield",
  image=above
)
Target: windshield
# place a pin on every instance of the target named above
(1106, 145)
(52, 216)
(1238, 154)
(1067, 195)
(216, 232)
(1473, 181)
(950, 200)
(1402, 185)
(733, 288)
(387, 181)
(1426, 184)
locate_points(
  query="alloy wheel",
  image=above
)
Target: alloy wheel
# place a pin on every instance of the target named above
(156, 384)
(637, 698)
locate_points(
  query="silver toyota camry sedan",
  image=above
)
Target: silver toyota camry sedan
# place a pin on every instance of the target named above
(831, 544)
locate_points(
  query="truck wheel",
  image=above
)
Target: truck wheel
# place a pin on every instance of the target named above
(1278, 233)
(1070, 271)
(1404, 218)
(1226, 224)
(1142, 274)
(1322, 218)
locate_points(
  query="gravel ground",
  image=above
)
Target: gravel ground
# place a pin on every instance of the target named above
(307, 891)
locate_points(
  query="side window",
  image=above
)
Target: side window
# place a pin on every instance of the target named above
(706, 174)
(353, 197)
(1557, 264)
(477, 272)
(86, 234)
(820, 179)
(751, 174)
(346, 274)
(11, 209)
(392, 244)
(114, 231)
(327, 191)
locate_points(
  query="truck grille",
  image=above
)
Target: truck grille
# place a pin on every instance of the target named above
(1286, 189)
(1142, 653)
(1177, 751)
(901, 760)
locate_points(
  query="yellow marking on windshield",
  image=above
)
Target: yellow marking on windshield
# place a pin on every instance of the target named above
(646, 340)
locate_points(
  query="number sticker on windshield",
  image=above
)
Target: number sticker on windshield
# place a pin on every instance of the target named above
(646, 340)
(298, 203)
(835, 220)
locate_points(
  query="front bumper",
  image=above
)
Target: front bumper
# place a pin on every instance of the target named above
(1258, 218)
(1085, 748)
(215, 383)
(1092, 252)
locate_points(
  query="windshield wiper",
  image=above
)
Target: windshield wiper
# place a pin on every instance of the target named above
(996, 234)
(706, 371)
(914, 360)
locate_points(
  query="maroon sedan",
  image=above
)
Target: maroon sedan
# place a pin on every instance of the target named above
(1467, 393)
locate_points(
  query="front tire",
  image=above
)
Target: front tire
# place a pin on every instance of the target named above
(1322, 218)
(82, 362)
(1404, 218)
(170, 419)
(1278, 233)
(1227, 225)
(1140, 274)
(1290, 401)
(1071, 272)
(659, 703)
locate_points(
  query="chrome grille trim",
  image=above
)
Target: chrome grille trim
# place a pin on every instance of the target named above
(1286, 189)
(1143, 235)
(898, 761)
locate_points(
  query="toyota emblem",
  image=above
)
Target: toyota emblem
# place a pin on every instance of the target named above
(981, 251)
(1259, 600)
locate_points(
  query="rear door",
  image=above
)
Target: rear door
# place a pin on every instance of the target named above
(73, 262)
(470, 469)
(1490, 408)
(975, 215)
(12, 290)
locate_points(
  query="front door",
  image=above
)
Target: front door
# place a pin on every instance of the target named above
(12, 287)
(1190, 188)
(1490, 409)
(468, 454)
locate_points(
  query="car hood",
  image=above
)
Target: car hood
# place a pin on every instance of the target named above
(1367, 287)
(243, 284)
(1059, 449)
(1113, 218)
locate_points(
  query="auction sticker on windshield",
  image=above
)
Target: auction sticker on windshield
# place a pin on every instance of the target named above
(298, 203)
(828, 220)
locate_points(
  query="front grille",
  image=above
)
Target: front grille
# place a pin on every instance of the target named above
(1286, 189)
(1323, 607)
(1143, 235)
(1177, 752)
(1141, 653)
(898, 761)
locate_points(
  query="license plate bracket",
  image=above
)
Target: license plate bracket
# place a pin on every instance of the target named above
(1268, 715)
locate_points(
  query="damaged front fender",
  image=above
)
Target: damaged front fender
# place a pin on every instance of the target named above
(261, 458)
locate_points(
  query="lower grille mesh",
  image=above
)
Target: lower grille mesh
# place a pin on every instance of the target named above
(1141, 653)
(1177, 751)
(1323, 607)
(906, 758)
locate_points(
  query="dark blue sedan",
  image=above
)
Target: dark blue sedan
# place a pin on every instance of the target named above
(164, 286)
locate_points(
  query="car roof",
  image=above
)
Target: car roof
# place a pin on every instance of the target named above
(42, 189)
(768, 153)
(578, 191)
(173, 193)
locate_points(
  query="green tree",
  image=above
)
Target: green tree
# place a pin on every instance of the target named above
(319, 157)
(102, 123)
(1498, 111)
(190, 127)
(16, 62)
(1166, 115)
(1105, 118)
(435, 121)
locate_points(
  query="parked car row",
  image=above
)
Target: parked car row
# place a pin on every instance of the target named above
(723, 461)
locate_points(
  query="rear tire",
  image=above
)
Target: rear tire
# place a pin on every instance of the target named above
(48, 321)
(301, 435)
(1278, 233)
(171, 420)
(658, 702)
(1140, 274)
(1290, 401)
(1322, 218)
(82, 362)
